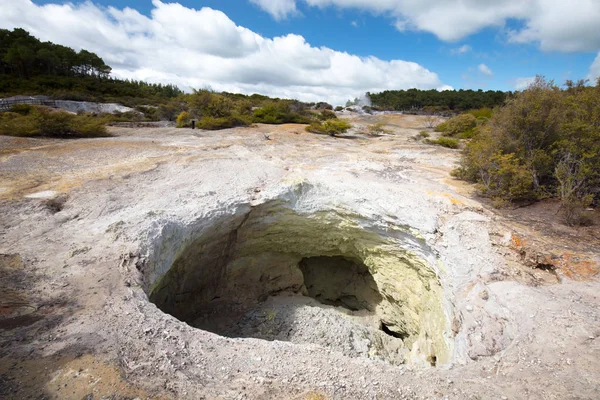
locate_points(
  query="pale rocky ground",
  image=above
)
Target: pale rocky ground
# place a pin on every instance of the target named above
(88, 227)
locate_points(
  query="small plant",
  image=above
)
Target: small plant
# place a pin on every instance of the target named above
(377, 130)
(431, 121)
(270, 315)
(444, 142)
(330, 127)
(339, 108)
(423, 135)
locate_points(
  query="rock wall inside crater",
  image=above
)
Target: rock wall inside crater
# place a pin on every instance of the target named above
(337, 258)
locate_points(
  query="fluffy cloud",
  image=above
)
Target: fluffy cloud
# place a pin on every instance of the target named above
(279, 9)
(200, 48)
(555, 25)
(484, 69)
(523, 83)
(595, 69)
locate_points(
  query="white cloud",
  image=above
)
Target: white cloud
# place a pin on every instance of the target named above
(594, 70)
(279, 9)
(199, 48)
(484, 69)
(464, 49)
(523, 83)
(556, 25)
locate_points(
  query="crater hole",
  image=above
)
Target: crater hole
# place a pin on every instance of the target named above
(273, 274)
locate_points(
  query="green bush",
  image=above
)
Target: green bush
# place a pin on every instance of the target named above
(457, 125)
(323, 106)
(544, 142)
(41, 121)
(326, 114)
(330, 127)
(212, 123)
(444, 142)
(22, 109)
(12, 124)
(339, 108)
(484, 112)
(468, 134)
(184, 120)
(282, 112)
(507, 179)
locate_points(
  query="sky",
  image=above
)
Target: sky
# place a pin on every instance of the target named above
(331, 50)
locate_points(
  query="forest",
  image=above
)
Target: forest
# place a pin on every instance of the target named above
(437, 101)
(29, 66)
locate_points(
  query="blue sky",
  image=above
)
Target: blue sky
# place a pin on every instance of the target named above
(469, 44)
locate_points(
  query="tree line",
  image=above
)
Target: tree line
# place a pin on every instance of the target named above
(29, 66)
(25, 56)
(437, 101)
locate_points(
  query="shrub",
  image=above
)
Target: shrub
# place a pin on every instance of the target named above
(150, 113)
(330, 127)
(41, 121)
(167, 111)
(377, 130)
(339, 108)
(441, 127)
(22, 109)
(484, 112)
(431, 121)
(456, 125)
(89, 126)
(280, 112)
(212, 123)
(183, 120)
(507, 179)
(323, 106)
(423, 135)
(469, 134)
(573, 211)
(12, 124)
(326, 114)
(52, 123)
(445, 142)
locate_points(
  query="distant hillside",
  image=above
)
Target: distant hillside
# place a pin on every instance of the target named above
(31, 67)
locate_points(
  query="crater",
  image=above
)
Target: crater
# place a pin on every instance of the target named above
(330, 278)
